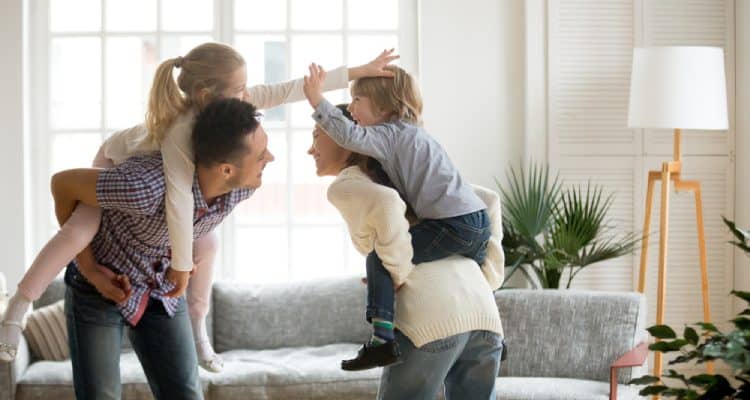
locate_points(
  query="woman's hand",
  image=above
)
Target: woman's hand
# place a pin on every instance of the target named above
(374, 68)
(313, 86)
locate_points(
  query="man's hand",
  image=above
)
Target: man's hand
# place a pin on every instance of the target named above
(112, 286)
(374, 68)
(180, 280)
(314, 84)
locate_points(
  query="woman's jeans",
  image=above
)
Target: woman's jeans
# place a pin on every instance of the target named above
(432, 239)
(467, 364)
(163, 345)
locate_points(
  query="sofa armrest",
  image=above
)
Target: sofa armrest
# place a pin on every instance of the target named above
(633, 358)
(10, 372)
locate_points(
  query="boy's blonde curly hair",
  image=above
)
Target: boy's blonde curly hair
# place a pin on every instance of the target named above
(398, 96)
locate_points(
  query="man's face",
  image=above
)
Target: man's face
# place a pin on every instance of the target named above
(248, 171)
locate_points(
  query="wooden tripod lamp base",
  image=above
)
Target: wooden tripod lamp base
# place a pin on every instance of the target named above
(670, 172)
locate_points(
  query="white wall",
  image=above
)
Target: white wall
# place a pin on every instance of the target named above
(472, 77)
(742, 137)
(12, 232)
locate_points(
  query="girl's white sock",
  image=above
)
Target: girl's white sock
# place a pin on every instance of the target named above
(202, 342)
(11, 333)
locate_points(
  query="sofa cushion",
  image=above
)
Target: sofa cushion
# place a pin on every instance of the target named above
(47, 332)
(297, 314)
(515, 388)
(569, 333)
(293, 373)
(45, 380)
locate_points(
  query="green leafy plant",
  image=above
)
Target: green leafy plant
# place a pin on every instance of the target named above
(711, 344)
(547, 228)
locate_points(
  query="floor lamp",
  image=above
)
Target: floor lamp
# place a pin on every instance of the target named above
(676, 88)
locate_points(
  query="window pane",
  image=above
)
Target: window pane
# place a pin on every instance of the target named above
(261, 255)
(259, 14)
(309, 202)
(73, 150)
(179, 45)
(318, 252)
(187, 15)
(302, 112)
(131, 62)
(75, 83)
(266, 63)
(75, 15)
(326, 50)
(131, 15)
(368, 14)
(364, 48)
(316, 15)
(268, 205)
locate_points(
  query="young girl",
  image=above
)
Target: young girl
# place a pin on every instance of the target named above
(207, 72)
(452, 218)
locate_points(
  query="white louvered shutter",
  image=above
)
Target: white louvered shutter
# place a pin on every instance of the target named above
(589, 59)
(590, 51)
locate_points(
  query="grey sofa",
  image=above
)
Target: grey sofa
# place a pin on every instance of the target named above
(286, 342)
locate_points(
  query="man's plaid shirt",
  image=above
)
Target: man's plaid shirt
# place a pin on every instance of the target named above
(133, 237)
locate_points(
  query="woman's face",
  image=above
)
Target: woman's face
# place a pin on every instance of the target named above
(330, 158)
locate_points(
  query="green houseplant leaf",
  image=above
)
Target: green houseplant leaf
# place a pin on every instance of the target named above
(550, 229)
(733, 348)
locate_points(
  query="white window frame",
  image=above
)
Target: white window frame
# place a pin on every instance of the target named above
(223, 31)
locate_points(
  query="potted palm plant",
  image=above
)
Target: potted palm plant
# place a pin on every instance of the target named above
(548, 229)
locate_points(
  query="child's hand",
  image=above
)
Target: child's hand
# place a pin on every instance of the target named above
(374, 68)
(180, 280)
(314, 84)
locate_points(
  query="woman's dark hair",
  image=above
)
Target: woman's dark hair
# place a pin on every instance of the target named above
(372, 167)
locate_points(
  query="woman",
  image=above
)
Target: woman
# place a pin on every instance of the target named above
(441, 340)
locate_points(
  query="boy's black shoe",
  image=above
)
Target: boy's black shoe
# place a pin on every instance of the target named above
(373, 356)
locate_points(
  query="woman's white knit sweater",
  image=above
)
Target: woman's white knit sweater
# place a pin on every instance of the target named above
(436, 299)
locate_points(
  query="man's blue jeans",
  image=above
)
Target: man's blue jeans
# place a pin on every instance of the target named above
(467, 364)
(164, 346)
(432, 239)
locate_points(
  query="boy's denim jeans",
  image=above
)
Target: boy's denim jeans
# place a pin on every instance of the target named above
(432, 239)
(467, 363)
(164, 346)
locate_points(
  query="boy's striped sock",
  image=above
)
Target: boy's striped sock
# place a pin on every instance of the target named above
(382, 332)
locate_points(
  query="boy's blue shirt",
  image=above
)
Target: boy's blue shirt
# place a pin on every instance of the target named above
(415, 162)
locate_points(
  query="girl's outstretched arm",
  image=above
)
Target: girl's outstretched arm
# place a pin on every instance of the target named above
(272, 95)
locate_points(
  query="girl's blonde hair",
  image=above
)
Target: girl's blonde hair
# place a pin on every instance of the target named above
(398, 96)
(206, 67)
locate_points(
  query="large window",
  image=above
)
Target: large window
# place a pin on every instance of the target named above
(93, 64)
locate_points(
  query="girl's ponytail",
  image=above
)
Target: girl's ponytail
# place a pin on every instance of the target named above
(165, 102)
(205, 72)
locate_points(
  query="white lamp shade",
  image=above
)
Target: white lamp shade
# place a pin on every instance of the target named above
(678, 87)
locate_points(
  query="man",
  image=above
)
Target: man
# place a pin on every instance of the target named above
(132, 246)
